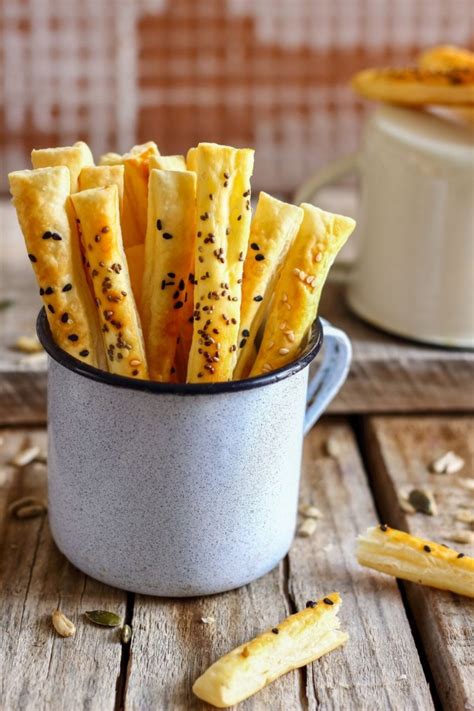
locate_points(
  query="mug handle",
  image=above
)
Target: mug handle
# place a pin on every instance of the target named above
(331, 374)
(329, 174)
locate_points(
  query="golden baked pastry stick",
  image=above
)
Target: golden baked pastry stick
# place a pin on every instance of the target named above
(134, 212)
(167, 162)
(191, 159)
(416, 87)
(169, 255)
(136, 265)
(99, 218)
(299, 640)
(410, 558)
(73, 157)
(273, 229)
(298, 289)
(223, 223)
(41, 199)
(445, 57)
(101, 176)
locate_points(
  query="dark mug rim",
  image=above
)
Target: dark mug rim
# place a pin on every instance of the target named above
(151, 386)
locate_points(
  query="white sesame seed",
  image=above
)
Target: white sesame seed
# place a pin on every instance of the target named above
(283, 351)
(290, 336)
(302, 275)
(282, 326)
(296, 271)
(271, 344)
(318, 257)
(284, 297)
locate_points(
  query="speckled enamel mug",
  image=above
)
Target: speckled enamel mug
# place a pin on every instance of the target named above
(181, 490)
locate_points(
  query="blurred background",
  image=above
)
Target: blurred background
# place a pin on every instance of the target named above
(263, 73)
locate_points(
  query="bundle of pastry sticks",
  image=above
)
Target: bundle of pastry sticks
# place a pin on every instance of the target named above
(152, 267)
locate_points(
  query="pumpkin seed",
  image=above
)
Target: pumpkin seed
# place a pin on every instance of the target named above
(126, 634)
(460, 536)
(402, 496)
(423, 501)
(30, 511)
(28, 344)
(104, 618)
(63, 626)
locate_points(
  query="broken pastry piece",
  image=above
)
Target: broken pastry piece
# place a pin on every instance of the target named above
(223, 226)
(298, 289)
(272, 231)
(298, 640)
(73, 157)
(169, 257)
(405, 556)
(97, 211)
(42, 202)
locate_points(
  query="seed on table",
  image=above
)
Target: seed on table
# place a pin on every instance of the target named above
(63, 626)
(309, 511)
(332, 447)
(103, 618)
(126, 634)
(25, 456)
(28, 344)
(208, 620)
(307, 528)
(465, 516)
(466, 537)
(449, 463)
(25, 501)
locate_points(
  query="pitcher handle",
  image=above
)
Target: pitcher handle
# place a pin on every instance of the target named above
(331, 374)
(328, 174)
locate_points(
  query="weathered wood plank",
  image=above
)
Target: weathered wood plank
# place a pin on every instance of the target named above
(387, 374)
(400, 450)
(41, 670)
(378, 668)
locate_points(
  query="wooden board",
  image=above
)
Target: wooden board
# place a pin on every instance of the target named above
(400, 450)
(387, 374)
(39, 669)
(378, 668)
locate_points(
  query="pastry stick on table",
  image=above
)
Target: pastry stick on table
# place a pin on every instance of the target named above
(73, 157)
(273, 229)
(101, 176)
(41, 198)
(98, 213)
(298, 640)
(223, 225)
(298, 289)
(169, 256)
(410, 558)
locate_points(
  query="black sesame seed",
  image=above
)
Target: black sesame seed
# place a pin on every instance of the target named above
(84, 353)
(226, 175)
(176, 294)
(226, 183)
(73, 337)
(181, 285)
(97, 238)
(204, 216)
(211, 197)
(65, 317)
(259, 257)
(171, 275)
(328, 601)
(178, 305)
(242, 342)
(427, 549)
(67, 287)
(51, 308)
(32, 258)
(239, 218)
(460, 555)
(246, 193)
(383, 527)
(173, 370)
(275, 630)
(258, 298)
(41, 291)
(246, 333)
(47, 235)
(167, 235)
(105, 229)
(311, 603)
(159, 225)
(49, 290)
(56, 237)
(134, 372)
(254, 246)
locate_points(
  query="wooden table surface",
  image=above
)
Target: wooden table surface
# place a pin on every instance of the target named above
(410, 647)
